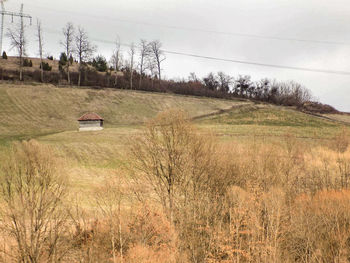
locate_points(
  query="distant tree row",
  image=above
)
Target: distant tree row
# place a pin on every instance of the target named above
(284, 93)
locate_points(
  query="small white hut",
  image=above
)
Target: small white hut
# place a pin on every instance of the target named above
(90, 122)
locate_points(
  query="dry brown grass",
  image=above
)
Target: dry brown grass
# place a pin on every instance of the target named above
(11, 63)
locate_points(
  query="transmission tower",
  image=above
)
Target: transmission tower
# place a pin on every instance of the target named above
(4, 13)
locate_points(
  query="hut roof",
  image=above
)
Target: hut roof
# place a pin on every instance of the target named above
(90, 117)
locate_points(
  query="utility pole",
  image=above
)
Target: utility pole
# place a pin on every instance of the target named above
(4, 13)
(2, 23)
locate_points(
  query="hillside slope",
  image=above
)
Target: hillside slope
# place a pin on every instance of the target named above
(49, 114)
(40, 109)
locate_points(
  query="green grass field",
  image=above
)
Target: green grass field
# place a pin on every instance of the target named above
(49, 114)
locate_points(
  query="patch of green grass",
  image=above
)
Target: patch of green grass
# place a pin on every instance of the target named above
(267, 122)
(270, 116)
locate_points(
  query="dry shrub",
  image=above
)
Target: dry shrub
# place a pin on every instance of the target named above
(149, 227)
(100, 237)
(92, 239)
(152, 237)
(146, 254)
(231, 242)
(109, 199)
(188, 177)
(317, 107)
(325, 169)
(341, 141)
(319, 228)
(258, 223)
(251, 228)
(261, 166)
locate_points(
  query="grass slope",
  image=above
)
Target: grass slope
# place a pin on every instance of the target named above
(271, 121)
(11, 63)
(32, 110)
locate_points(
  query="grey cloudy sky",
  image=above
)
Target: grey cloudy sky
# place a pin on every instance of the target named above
(173, 23)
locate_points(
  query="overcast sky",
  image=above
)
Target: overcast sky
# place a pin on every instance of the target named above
(204, 27)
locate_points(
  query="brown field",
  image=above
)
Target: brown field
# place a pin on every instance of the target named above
(11, 63)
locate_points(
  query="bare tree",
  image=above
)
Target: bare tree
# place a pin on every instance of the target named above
(132, 55)
(18, 41)
(32, 213)
(83, 49)
(67, 43)
(211, 82)
(116, 59)
(225, 81)
(40, 42)
(109, 200)
(193, 77)
(145, 51)
(158, 55)
(152, 69)
(161, 155)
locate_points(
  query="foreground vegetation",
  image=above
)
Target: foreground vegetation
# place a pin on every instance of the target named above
(180, 194)
(219, 181)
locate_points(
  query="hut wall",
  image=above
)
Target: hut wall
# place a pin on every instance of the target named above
(90, 125)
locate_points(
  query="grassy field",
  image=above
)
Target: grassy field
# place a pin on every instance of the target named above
(271, 121)
(11, 63)
(249, 177)
(49, 114)
(42, 109)
(339, 117)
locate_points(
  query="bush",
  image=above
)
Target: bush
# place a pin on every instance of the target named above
(4, 55)
(46, 66)
(27, 63)
(63, 59)
(317, 107)
(50, 57)
(100, 63)
(71, 59)
(62, 62)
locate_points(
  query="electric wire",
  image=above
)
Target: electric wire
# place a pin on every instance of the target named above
(236, 61)
(236, 34)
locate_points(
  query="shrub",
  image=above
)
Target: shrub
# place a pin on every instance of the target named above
(100, 63)
(27, 63)
(319, 228)
(46, 66)
(4, 55)
(317, 107)
(50, 57)
(62, 62)
(71, 59)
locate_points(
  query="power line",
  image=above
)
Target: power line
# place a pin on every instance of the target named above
(338, 72)
(259, 64)
(324, 42)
